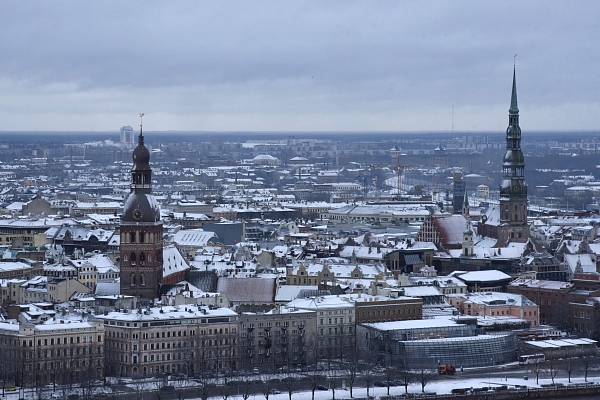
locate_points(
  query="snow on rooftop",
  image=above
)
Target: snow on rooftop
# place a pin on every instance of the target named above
(413, 324)
(483, 276)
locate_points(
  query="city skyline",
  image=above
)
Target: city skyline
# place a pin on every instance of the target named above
(304, 66)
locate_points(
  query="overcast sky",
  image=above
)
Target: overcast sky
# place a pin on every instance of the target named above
(297, 66)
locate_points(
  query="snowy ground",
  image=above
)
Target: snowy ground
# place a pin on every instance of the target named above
(442, 385)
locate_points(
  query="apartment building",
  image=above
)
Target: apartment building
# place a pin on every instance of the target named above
(57, 351)
(186, 339)
(276, 339)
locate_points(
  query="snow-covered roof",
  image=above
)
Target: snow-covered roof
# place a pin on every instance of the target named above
(173, 261)
(168, 313)
(193, 237)
(483, 276)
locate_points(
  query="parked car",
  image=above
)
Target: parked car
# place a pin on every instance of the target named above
(321, 387)
(379, 384)
(275, 391)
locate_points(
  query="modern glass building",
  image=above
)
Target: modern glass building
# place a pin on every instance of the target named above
(474, 351)
(423, 344)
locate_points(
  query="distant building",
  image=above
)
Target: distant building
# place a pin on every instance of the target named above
(127, 136)
(458, 192)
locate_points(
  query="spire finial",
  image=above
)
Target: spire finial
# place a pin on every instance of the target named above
(141, 137)
(514, 109)
(515, 60)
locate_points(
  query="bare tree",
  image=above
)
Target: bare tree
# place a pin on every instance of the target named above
(314, 375)
(332, 351)
(424, 377)
(225, 390)
(200, 361)
(288, 383)
(138, 388)
(390, 376)
(351, 368)
(369, 376)
(585, 366)
(181, 387)
(406, 377)
(158, 387)
(552, 368)
(538, 368)
(266, 387)
(569, 365)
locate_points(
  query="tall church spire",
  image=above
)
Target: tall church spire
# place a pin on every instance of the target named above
(513, 189)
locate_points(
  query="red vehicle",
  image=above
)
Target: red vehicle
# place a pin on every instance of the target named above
(446, 370)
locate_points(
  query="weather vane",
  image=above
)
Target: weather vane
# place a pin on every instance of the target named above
(142, 116)
(515, 60)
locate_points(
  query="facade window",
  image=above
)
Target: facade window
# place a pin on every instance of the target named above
(132, 279)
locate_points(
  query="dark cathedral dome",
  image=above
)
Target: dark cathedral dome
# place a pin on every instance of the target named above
(141, 207)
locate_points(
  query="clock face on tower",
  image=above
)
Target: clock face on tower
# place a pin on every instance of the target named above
(137, 214)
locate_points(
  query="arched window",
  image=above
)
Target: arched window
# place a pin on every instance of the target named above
(142, 237)
(142, 279)
(132, 258)
(132, 279)
(142, 258)
(131, 237)
(149, 257)
(125, 257)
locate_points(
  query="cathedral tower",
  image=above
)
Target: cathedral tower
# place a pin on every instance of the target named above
(141, 248)
(513, 189)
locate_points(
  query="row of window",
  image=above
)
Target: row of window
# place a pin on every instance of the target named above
(138, 237)
(65, 340)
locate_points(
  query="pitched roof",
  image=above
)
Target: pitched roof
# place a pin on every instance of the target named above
(248, 290)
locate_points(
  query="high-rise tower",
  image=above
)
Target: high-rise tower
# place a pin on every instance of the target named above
(513, 189)
(141, 248)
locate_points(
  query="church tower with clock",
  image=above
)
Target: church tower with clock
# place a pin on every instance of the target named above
(513, 189)
(141, 248)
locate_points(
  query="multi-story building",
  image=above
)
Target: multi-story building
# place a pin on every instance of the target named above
(372, 309)
(495, 304)
(335, 325)
(58, 351)
(183, 339)
(20, 270)
(276, 339)
(551, 297)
